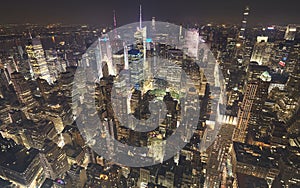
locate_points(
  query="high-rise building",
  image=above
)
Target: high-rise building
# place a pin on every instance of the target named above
(136, 66)
(262, 51)
(244, 23)
(144, 176)
(36, 133)
(77, 175)
(19, 165)
(192, 42)
(255, 94)
(254, 161)
(290, 32)
(38, 63)
(218, 155)
(23, 91)
(53, 159)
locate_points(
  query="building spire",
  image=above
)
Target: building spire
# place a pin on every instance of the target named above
(115, 24)
(140, 16)
(115, 20)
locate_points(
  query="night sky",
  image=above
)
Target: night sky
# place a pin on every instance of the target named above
(178, 11)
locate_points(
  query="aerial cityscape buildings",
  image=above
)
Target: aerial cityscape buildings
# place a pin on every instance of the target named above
(144, 92)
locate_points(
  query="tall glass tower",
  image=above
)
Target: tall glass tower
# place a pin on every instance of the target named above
(244, 23)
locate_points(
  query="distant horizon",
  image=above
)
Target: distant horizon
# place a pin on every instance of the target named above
(101, 13)
(111, 25)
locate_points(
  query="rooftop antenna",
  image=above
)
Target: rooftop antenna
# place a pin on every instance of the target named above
(140, 16)
(115, 23)
(115, 20)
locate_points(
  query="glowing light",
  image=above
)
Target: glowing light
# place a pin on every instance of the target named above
(281, 63)
(148, 40)
(103, 177)
(104, 39)
(265, 76)
(238, 45)
(137, 86)
(60, 181)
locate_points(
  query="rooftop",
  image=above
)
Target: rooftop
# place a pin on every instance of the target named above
(254, 155)
(17, 157)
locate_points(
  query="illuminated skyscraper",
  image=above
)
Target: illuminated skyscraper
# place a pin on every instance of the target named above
(254, 97)
(262, 51)
(53, 159)
(244, 23)
(38, 63)
(244, 113)
(20, 165)
(23, 91)
(153, 23)
(106, 54)
(192, 42)
(290, 33)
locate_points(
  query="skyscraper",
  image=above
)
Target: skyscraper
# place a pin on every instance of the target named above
(254, 96)
(23, 91)
(262, 51)
(37, 60)
(290, 32)
(244, 23)
(244, 113)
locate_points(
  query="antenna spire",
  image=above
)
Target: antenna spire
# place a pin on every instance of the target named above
(115, 20)
(115, 24)
(140, 16)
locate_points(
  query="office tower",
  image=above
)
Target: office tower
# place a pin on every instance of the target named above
(53, 159)
(144, 178)
(55, 65)
(5, 76)
(242, 52)
(153, 23)
(156, 146)
(256, 91)
(218, 154)
(126, 61)
(35, 134)
(262, 51)
(77, 176)
(254, 161)
(12, 65)
(290, 32)
(38, 63)
(245, 112)
(104, 53)
(192, 42)
(136, 67)
(19, 165)
(23, 91)
(244, 23)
